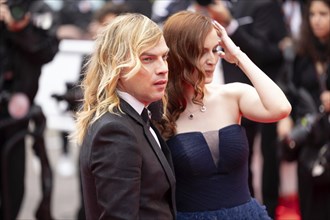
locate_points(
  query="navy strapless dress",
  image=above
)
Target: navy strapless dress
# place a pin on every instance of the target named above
(212, 175)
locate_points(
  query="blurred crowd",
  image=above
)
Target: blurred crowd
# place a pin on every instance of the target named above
(287, 39)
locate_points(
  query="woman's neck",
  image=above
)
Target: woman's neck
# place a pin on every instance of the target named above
(189, 95)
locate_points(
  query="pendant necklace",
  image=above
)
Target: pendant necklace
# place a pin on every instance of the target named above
(191, 114)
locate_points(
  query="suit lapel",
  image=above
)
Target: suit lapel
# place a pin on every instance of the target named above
(162, 153)
(166, 161)
(164, 157)
(165, 148)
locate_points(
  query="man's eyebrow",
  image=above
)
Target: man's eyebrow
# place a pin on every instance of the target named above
(154, 54)
(147, 54)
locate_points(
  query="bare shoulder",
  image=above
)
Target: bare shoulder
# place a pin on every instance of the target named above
(227, 90)
(224, 98)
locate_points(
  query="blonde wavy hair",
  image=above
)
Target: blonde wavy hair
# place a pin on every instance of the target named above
(117, 51)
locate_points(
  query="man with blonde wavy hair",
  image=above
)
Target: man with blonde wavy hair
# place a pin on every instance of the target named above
(126, 167)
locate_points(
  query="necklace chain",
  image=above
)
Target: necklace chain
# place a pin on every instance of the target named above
(191, 114)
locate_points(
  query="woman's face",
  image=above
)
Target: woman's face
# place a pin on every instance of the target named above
(210, 56)
(319, 18)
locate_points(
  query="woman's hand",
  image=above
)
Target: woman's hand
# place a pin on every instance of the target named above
(230, 49)
(256, 103)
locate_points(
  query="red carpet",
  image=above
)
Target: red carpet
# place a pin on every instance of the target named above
(288, 208)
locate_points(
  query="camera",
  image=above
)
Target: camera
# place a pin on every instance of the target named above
(18, 8)
(313, 128)
(72, 96)
(301, 131)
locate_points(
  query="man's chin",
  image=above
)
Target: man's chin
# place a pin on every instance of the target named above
(157, 98)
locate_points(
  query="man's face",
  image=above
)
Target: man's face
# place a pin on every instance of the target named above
(149, 84)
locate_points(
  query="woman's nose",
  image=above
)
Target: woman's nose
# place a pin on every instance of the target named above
(211, 59)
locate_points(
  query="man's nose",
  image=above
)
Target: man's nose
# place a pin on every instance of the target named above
(162, 67)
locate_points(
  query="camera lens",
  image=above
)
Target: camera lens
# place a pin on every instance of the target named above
(17, 12)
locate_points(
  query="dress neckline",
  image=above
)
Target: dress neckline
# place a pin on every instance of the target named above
(199, 132)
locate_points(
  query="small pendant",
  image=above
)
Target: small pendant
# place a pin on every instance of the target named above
(191, 116)
(203, 108)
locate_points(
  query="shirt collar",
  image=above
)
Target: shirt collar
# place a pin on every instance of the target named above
(132, 101)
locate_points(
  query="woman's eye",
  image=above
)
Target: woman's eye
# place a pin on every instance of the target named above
(217, 49)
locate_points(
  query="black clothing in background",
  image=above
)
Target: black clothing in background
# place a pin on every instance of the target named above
(314, 200)
(73, 12)
(25, 52)
(142, 6)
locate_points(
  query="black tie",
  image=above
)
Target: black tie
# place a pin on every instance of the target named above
(145, 116)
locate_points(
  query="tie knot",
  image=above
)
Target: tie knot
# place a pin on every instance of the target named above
(145, 116)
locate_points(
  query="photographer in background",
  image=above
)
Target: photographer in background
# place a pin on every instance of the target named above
(309, 139)
(27, 42)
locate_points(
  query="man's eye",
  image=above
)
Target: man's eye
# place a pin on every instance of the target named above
(147, 59)
(165, 57)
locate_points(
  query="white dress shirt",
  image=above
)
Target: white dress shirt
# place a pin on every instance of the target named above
(138, 107)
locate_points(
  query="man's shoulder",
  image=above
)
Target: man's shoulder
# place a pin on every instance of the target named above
(114, 119)
(110, 122)
(111, 117)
